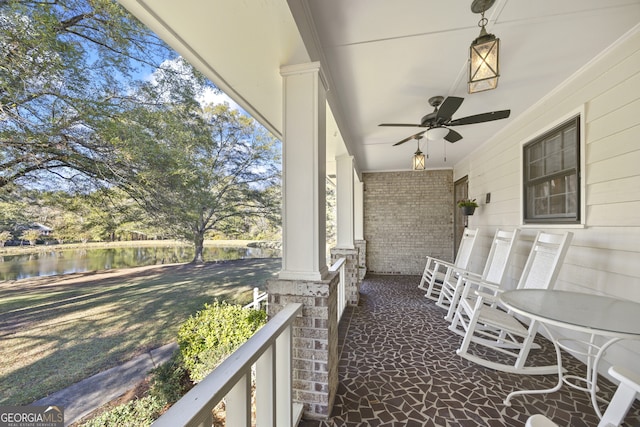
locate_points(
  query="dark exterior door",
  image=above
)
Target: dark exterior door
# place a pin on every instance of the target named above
(460, 191)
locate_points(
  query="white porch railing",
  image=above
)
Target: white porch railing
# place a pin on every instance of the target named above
(270, 350)
(257, 299)
(342, 296)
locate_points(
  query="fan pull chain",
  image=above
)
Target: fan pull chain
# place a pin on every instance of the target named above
(445, 149)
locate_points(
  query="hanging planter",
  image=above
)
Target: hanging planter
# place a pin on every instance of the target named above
(468, 206)
(468, 210)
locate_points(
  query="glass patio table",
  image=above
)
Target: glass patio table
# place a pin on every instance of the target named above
(596, 315)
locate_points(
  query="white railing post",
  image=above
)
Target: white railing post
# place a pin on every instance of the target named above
(256, 301)
(342, 291)
(238, 403)
(266, 389)
(340, 265)
(284, 411)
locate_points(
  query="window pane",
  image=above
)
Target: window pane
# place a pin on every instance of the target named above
(572, 183)
(541, 207)
(536, 169)
(536, 152)
(557, 204)
(570, 136)
(572, 203)
(569, 157)
(557, 186)
(553, 162)
(541, 190)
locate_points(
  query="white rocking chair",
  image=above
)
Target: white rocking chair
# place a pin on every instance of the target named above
(487, 324)
(435, 269)
(494, 271)
(621, 401)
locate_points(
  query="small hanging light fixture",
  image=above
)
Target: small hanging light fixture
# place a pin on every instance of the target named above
(483, 53)
(417, 161)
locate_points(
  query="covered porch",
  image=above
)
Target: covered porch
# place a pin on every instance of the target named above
(322, 75)
(398, 367)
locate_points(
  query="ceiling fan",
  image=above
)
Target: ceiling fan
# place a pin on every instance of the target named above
(441, 117)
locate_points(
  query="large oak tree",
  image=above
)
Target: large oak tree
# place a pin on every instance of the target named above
(196, 171)
(66, 68)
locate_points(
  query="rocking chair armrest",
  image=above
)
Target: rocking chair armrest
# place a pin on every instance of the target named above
(439, 262)
(481, 284)
(481, 289)
(466, 274)
(486, 290)
(486, 296)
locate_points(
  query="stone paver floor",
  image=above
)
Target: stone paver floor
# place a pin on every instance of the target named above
(398, 367)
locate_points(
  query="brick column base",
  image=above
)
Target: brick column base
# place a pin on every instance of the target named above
(315, 340)
(352, 285)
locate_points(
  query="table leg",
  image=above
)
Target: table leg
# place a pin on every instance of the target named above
(560, 373)
(594, 374)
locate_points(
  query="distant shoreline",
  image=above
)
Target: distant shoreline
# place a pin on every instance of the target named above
(19, 250)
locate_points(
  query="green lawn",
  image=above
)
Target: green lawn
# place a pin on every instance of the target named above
(55, 331)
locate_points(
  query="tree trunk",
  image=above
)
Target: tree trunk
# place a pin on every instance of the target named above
(199, 241)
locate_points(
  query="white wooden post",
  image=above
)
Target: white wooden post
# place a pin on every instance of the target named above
(265, 389)
(238, 403)
(284, 413)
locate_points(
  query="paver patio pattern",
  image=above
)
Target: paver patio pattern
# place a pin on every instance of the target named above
(398, 367)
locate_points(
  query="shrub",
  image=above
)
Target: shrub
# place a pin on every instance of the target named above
(137, 413)
(170, 381)
(213, 333)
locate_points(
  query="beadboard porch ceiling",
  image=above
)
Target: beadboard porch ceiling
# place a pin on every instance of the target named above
(384, 59)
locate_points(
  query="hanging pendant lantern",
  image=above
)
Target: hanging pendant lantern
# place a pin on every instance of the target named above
(417, 161)
(484, 54)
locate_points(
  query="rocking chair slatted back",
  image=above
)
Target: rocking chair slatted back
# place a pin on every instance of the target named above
(435, 269)
(494, 271)
(499, 256)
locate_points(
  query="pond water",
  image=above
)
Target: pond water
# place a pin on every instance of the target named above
(54, 262)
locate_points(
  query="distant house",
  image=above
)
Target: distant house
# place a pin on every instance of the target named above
(43, 229)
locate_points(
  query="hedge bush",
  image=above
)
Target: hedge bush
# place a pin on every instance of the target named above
(213, 333)
(170, 381)
(137, 413)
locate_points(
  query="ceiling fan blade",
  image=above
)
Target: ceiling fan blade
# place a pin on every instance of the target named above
(399, 125)
(481, 118)
(453, 136)
(448, 108)
(416, 136)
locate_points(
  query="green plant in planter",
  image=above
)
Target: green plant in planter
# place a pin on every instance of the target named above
(471, 203)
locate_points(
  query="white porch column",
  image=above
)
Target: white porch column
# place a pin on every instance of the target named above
(345, 245)
(303, 173)
(358, 220)
(344, 202)
(358, 208)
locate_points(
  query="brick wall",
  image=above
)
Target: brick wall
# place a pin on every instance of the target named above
(407, 216)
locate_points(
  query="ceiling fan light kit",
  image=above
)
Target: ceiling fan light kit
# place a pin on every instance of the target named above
(435, 134)
(484, 54)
